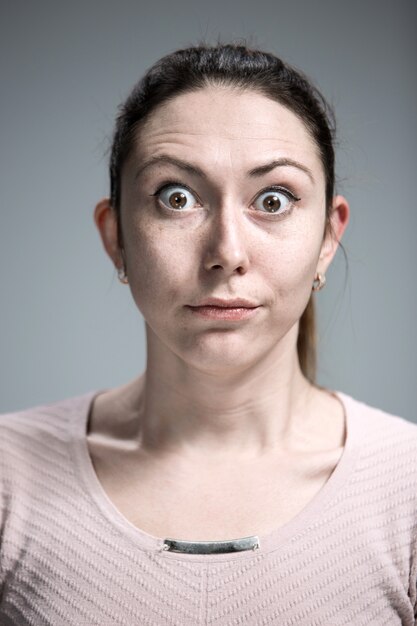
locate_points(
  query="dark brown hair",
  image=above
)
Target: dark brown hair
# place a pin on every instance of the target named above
(238, 66)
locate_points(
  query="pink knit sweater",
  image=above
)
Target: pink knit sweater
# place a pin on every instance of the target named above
(69, 557)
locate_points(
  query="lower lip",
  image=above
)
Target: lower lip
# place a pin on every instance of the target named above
(223, 313)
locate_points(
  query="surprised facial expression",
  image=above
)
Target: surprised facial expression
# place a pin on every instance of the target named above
(223, 197)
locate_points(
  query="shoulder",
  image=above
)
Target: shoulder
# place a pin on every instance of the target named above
(374, 420)
(32, 437)
(385, 445)
(381, 461)
(43, 419)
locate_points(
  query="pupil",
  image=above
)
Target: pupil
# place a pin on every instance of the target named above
(272, 203)
(177, 200)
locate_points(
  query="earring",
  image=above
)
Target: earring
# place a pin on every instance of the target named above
(122, 276)
(319, 282)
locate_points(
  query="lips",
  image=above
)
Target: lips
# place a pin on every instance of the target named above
(224, 310)
(235, 303)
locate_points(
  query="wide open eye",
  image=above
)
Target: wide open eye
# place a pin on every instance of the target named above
(275, 201)
(176, 197)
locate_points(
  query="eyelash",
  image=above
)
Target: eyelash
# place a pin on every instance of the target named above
(289, 194)
(172, 183)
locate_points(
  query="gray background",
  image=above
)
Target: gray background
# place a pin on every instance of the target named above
(67, 325)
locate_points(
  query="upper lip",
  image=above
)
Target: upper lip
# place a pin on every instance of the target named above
(236, 302)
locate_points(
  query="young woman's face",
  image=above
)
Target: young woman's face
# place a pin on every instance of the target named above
(223, 197)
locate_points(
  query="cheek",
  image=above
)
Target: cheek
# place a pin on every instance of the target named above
(292, 260)
(288, 269)
(159, 266)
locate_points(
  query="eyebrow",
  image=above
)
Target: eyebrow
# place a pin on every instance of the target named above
(165, 158)
(268, 167)
(260, 170)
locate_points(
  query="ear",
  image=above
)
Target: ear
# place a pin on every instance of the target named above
(339, 219)
(106, 222)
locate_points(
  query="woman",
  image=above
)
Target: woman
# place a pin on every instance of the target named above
(223, 485)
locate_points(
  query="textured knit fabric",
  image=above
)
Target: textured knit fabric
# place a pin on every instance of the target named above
(69, 557)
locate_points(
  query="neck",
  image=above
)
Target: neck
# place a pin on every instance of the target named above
(247, 412)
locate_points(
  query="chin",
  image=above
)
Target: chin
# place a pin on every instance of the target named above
(222, 353)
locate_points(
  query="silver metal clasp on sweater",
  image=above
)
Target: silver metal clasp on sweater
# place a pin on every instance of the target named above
(212, 547)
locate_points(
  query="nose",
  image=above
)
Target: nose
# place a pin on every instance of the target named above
(226, 245)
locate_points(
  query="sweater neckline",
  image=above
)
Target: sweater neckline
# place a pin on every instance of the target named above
(290, 531)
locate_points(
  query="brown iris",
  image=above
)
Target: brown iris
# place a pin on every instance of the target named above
(177, 200)
(272, 203)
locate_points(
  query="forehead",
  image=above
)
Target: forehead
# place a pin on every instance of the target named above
(219, 124)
